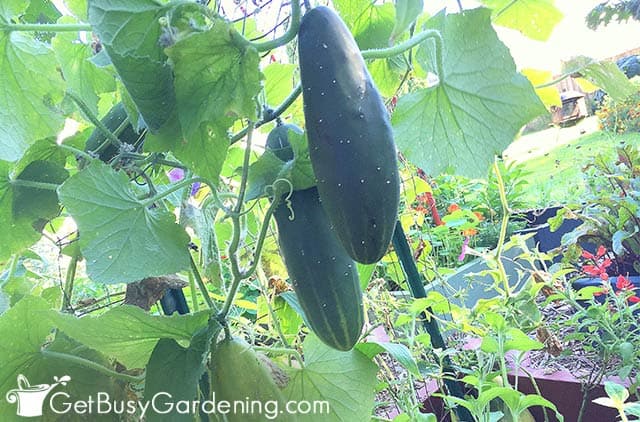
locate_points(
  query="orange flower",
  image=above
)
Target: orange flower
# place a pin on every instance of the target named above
(469, 232)
(453, 208)
(478, 215)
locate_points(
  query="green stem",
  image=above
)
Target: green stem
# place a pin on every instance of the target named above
(68, 283)
(194, 293)
(34, 184)
(504, 9)
(503, 228)
(76, 151)
(201, 285)
(245, 170)
(554, 81)
(179, 185)
(46, 27)
(13, 265)
(261, 237)
(280, 351)
(94, 119)
(292, 31)
(77, 360)
(270, 116)
(232, 251)
(264, 288)
(383, 53)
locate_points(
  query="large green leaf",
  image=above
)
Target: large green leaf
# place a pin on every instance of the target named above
(31, 85)
(12, 8)
(212, 91)
(34, 203)
(176, 370)
(16, 233)
(398, 351)
(406, 13)
(533, 18)
(605, 75)
(130, 33)
(122, 238)
(370, 24)
(130, 334)
(476, 109)
(26, 329)
(82, 75)
(346, 380)
(279, 82)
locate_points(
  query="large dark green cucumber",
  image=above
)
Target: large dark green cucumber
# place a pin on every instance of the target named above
(112, 121)
(350, 138)
(323, 275)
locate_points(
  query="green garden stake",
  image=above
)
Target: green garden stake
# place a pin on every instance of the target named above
(403, 251)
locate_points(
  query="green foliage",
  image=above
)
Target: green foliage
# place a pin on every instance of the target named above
(606, 75)
(534, 18)
(344, 379)
(28, 114)
(620, 117)
(137, 239)
(188, 78)
(609, 211)
(436, 127)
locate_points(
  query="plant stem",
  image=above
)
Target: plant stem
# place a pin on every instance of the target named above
(13, 265)
(280, 351)
(194, 293)
(94, 120)
(292, 31)
(503, 228)
(245, 170)
(179, 185)
(264, 288)
(68, 283)
(261, 237)
(232, 251)
(45, 27)
(76, 151)
(403, 251)
(77, 360)
(201, 285)
(383, 53)
(34, 184)
(270, 116)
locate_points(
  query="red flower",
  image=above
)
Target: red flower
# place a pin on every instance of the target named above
(599, 267)
(453, 208)
(598, 270)
(624, 285)
(599, 253)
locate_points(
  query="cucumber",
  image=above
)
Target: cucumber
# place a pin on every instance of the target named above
(351, 144)
(240, 375)
(278, 141)
(112, 121)
(323, 275)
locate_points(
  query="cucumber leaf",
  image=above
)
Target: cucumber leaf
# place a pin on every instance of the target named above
(122, 238)
(477, 107)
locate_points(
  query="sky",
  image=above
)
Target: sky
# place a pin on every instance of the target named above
(571, 37)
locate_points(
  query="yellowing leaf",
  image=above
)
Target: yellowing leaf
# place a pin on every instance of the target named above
(549, 95)
(585, 85)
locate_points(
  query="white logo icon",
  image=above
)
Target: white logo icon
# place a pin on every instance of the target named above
(30, 398)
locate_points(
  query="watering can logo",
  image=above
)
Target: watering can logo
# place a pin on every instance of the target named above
(30, 398)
